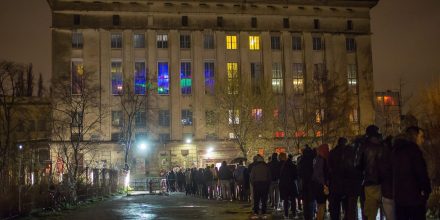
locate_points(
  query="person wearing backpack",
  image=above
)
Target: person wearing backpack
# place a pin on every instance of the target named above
(344, 181)
(239, 180)
(274, 190)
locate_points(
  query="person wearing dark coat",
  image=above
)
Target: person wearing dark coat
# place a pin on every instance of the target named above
(260, 179)
(386, 180)
(225, 177)
(274, 191)
(288, 187)
(411, 183)
(305, 172)
(344, 181)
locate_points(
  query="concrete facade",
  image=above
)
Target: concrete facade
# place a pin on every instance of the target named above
(332, 21)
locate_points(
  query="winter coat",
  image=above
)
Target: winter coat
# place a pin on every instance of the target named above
(410, 176)
(288, 177)
(260, 173)
(386, 173)
(344, 178)
(274, 166)
(371, 156)
(224, 173)
(320, 170)
(305, 165)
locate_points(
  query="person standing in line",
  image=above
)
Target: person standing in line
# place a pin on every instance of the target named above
(305, 172)
(260, 179)
(386, 179)
(320, 179)
(239, 180)
(411, 184)
(288, 188)
(225, 176)
(213, 187)
(250, 166)
(274, 190)
(371, 154)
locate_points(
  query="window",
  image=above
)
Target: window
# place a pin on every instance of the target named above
(298, 78)
(319, 72)
(185, 78)
(234, 117)
(77, 77)
(316, 24)
(253, 22)
(279, 134)
(210, 118)
(116, 20)
(350, 44)
(319, 115)
(140, 119)
(277, 79)
(163, 78)
(220, 21)
(185, 41)
(76, 19)
(164, 137)
(254, 42)
(231, 42)
(139, 40)
(354, 115)
(296, 43)
(116, 41)
(186, 117)
(275, 42)
(233, 83)
(208, 41)
(349, 25)
(256, 78)
(77, 119)
(286, 23)
(317, 43)
(184, 21)
(77, 40)
(162, 41)
(116, 74)
(209, 77)
(352, 77)
(257, 114)
(232, 135)
(299, 115)
(164, 118)
(116, 118)
(140, 78)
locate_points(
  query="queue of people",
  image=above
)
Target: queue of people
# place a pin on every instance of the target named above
(385, 176)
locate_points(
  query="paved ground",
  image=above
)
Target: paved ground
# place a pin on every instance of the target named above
(175, 206)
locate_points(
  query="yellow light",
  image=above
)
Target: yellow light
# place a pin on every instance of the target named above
(254, 42)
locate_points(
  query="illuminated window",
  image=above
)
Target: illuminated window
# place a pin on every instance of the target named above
(300, 134)
(233, 85)
(185, 78)
(140, 119)
(77, 77)
(298, 78)
(277, 79)
(162, 41)
(318, 133)
(231, 42)
(185, 41)
(117, 118)
(352, 77)
(209, 77)
(317, 43)
(116, 40)
(354, 115)
(275, 42)
(234, 117)
(254, 42)
(256, 78)
(350, 44)
(116, 74)
(276, 113)
(257, 114)
(139, 40)
(186, 117)
(296, 43)
(77, 40)
(389, 100)
(163, 78)
(279, 134)
(319, 115)
(140, 78)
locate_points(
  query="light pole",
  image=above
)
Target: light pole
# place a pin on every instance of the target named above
(20, 148)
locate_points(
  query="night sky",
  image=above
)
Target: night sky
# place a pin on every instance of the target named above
(406, 39)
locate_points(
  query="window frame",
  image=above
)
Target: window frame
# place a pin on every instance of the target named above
(116, 40)
(161, 41)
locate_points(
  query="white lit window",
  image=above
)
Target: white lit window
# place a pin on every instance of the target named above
(234, 117)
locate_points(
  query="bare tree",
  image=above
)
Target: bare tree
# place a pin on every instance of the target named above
(29, 81)
(76, 117)
(40, 86)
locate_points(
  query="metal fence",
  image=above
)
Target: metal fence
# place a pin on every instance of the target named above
(150, 184)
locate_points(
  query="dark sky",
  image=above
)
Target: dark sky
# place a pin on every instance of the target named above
(406, 39)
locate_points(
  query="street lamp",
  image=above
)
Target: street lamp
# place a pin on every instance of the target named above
(188, 140)
(143, 145)
(20, 148)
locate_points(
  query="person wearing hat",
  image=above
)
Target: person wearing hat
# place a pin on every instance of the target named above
(371, 155)
(260, 179)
